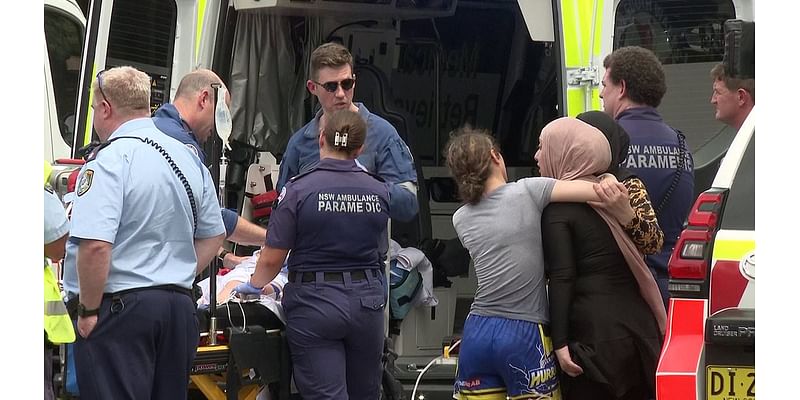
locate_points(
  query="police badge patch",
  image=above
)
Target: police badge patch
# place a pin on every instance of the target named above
(85, 182)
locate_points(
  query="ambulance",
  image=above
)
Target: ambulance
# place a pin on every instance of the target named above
(709, 349)
(64, 27)
(427, 66)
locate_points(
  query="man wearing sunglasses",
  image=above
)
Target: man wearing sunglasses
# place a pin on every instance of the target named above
(385, 154)
(190, 120)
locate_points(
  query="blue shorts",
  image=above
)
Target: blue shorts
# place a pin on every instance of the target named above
(502, 357)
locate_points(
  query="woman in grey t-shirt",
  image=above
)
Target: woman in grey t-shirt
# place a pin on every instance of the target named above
(505, 347)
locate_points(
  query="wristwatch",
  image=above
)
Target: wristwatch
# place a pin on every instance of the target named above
(222, 255)
(85, 312)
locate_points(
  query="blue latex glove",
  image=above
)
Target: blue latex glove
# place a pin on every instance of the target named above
(246, 288)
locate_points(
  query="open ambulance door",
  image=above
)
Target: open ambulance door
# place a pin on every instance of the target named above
(583, 35)
(164, 38)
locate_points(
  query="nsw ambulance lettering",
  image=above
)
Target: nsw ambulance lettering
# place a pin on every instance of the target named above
(348, 203)
(655, 156)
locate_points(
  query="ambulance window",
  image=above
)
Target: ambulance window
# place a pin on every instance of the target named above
(739, 210)
(84, 5)
(677, 31)
(142, 35)
(64, 36)
(688, 38)
(473, 48)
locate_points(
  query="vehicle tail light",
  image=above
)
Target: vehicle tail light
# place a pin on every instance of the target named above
(691, 256)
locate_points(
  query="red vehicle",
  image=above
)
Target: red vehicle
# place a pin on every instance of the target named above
(709, 347)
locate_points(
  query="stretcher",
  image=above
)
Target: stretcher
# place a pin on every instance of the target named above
(233, 363)
(241, 362)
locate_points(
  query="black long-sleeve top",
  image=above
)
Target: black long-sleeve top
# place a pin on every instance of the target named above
(593, 294)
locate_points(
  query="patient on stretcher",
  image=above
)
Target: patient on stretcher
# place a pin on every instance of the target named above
(235, 311)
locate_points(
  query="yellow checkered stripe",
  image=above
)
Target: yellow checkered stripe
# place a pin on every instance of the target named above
(199, 23)
(576, 20)
(733, 245)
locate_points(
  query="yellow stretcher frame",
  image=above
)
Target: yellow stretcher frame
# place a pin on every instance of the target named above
(209, 383)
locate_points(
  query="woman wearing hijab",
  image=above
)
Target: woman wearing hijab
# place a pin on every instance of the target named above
(505, 348)
(606, 314)
(642, 225)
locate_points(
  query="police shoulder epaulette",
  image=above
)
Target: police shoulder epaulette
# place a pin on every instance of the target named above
(95, 150)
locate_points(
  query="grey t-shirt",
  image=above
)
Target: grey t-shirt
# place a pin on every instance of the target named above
(504, 237)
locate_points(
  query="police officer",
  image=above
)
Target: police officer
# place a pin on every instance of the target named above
(144, 221)
(190, 120)
(333, 219)
(385, 154)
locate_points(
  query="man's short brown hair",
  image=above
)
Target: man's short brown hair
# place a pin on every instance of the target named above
(642, 72)
(331, 55)
(719, 73)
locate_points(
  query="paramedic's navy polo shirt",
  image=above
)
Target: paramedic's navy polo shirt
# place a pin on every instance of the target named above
(168, 120)
(351, 205)
(653, 156)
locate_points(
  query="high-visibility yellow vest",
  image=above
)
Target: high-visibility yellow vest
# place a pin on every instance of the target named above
(57, 324)
(47, 171)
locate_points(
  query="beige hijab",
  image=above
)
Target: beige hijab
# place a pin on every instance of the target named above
(575, 150)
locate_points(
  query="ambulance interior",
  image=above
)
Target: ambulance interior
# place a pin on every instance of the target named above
(476, 59)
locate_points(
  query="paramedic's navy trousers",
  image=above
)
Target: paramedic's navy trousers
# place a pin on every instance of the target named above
(335, 334)
(141, 348)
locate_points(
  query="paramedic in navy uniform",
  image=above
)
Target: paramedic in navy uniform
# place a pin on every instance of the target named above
(134, 250)
(633, 86)
(333, 219)
(190, 120)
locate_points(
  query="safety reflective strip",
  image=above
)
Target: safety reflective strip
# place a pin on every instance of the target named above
(87, 137)
(596, 98)
(733, 245)
(728, 287)
(576, 14)
(48, 169)
(578, 51)
(54, 308)
(201, 15)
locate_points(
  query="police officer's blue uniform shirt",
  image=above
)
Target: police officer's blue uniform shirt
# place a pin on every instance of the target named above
(149, 225)
(55, 218)
(385, 154)
(168, 120)
(351, 204)
(653, 156)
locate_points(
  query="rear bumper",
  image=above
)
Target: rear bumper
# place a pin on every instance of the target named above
(682, 355)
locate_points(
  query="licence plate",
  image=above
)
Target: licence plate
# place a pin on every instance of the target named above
(730, 383)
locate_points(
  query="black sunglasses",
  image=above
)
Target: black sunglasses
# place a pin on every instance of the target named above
(331, 87)
(100, 85)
